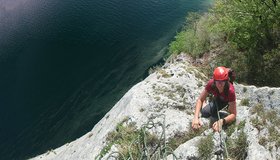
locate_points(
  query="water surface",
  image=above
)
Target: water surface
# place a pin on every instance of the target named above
(64, 64)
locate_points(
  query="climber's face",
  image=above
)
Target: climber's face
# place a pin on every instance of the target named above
(220, 85)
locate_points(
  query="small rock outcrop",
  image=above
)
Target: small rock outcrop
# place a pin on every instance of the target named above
(168, 95)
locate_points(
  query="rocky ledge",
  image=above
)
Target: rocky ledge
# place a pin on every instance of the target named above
(153, 120)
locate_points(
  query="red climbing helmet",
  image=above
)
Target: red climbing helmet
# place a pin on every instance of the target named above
(220, 74)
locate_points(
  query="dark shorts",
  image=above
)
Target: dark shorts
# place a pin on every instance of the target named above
(211, 109)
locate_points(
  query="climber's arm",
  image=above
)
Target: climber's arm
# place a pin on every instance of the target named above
(232, 110)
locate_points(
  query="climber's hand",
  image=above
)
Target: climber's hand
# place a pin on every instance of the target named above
(196, 123)
(217, 126)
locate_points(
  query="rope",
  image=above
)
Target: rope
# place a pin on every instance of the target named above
(161, 151)
(221, 139)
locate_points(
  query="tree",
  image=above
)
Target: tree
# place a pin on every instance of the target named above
(253, 28)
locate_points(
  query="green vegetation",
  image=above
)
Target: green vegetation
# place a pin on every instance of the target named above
(157, 98)
(199, 84)
(133, 143)
(263, 141)
(237, 148)
(245, 102)
(274, 136)
(271, 92)
(180, 107)
(194, 37)
(142, 110)
(258, 108)
(121, 135)
(205, 147)
(258, 121)
(234, 126)
(244, 35)
(154, 69)
(180, 138)
(163, 73)
(267, 119)
(230, 129)
(241, 125)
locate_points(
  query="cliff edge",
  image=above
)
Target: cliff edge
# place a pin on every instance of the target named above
(166, 99)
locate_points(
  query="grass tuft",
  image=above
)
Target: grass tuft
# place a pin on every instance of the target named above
(163, 73)
(205, 147)
(258, 108)
(134, 143)
(245, 102)
(180, 138)
(237, 149)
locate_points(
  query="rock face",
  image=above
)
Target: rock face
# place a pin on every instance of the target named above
(171, 91)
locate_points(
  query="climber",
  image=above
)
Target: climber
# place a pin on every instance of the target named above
(224, 95)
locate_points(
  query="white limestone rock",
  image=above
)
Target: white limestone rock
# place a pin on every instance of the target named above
(188, 150)
(171, 91)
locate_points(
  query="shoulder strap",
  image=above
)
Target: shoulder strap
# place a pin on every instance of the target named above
(231, 75)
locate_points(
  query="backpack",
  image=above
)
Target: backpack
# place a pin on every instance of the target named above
(231, 75)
